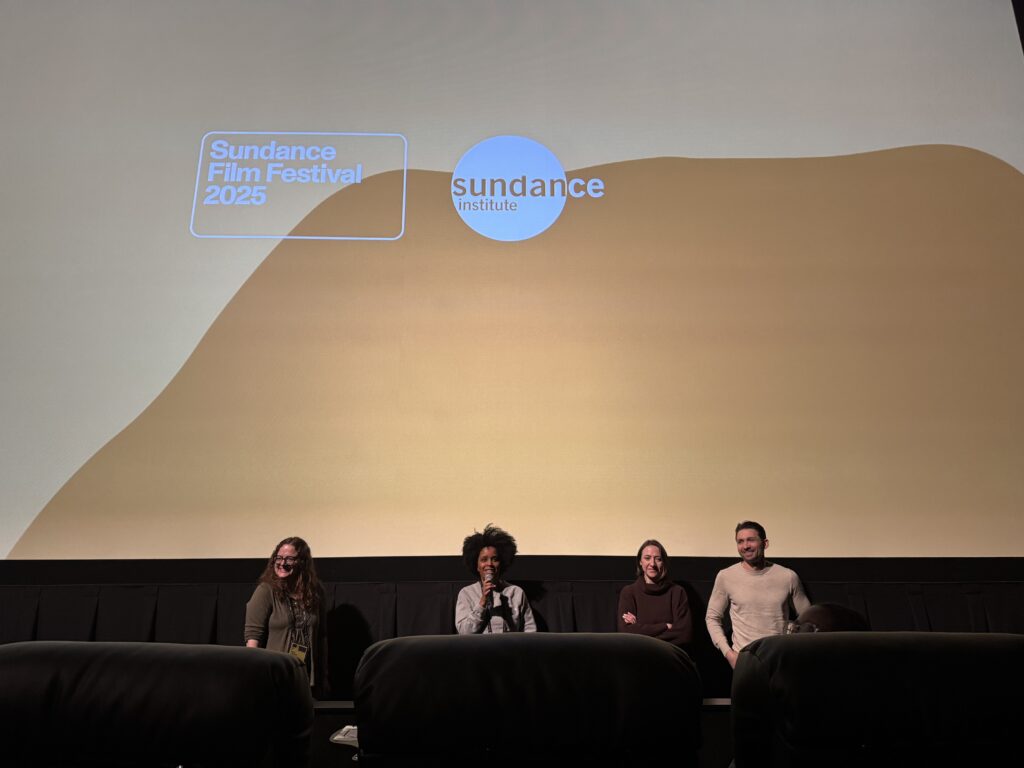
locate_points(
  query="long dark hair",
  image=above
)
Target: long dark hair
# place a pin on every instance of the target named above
(303, 580)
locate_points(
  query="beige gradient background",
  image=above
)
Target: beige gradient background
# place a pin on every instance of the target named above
(829, 345)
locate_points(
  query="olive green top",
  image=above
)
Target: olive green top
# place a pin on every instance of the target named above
(271, 621)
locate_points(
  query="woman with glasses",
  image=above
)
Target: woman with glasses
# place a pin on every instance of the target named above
(285, 613)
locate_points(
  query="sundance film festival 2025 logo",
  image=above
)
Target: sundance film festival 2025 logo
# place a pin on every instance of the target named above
(513, 188)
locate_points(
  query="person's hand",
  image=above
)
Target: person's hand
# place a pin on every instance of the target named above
(731, 657)
(668, 625)
(488, 588)
(629, 618)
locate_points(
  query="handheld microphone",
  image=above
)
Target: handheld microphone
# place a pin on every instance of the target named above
(489, 579)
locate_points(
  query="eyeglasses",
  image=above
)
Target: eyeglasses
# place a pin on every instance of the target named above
(801, 627)
(285, 560)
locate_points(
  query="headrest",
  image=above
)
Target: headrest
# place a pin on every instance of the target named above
(122, 702)
(823, 695)
(526, 694)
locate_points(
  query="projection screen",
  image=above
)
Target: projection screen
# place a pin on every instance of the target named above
(379, 273)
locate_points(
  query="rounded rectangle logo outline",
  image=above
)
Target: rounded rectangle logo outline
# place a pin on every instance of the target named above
(199, 168)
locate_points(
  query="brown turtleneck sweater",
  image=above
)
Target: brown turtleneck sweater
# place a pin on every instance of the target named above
(655, 606)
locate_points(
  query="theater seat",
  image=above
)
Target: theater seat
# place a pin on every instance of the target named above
(526, 699)
(151, 704)
(878, 699)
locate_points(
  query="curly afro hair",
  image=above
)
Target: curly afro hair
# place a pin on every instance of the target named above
(493, 536)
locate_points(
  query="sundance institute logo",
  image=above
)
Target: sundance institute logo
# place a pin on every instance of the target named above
(512, 188)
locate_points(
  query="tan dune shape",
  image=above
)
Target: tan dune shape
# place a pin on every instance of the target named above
(829, 345)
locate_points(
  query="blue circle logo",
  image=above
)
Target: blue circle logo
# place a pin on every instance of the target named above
(509, 188)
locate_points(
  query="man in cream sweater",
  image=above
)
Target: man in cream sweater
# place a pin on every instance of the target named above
(761, 596)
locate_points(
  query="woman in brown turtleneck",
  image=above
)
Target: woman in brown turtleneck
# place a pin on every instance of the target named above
(654, 605)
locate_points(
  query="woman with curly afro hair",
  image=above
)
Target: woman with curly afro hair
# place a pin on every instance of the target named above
(491, 604)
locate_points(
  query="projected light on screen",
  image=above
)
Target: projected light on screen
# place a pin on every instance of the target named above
(595, 272)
